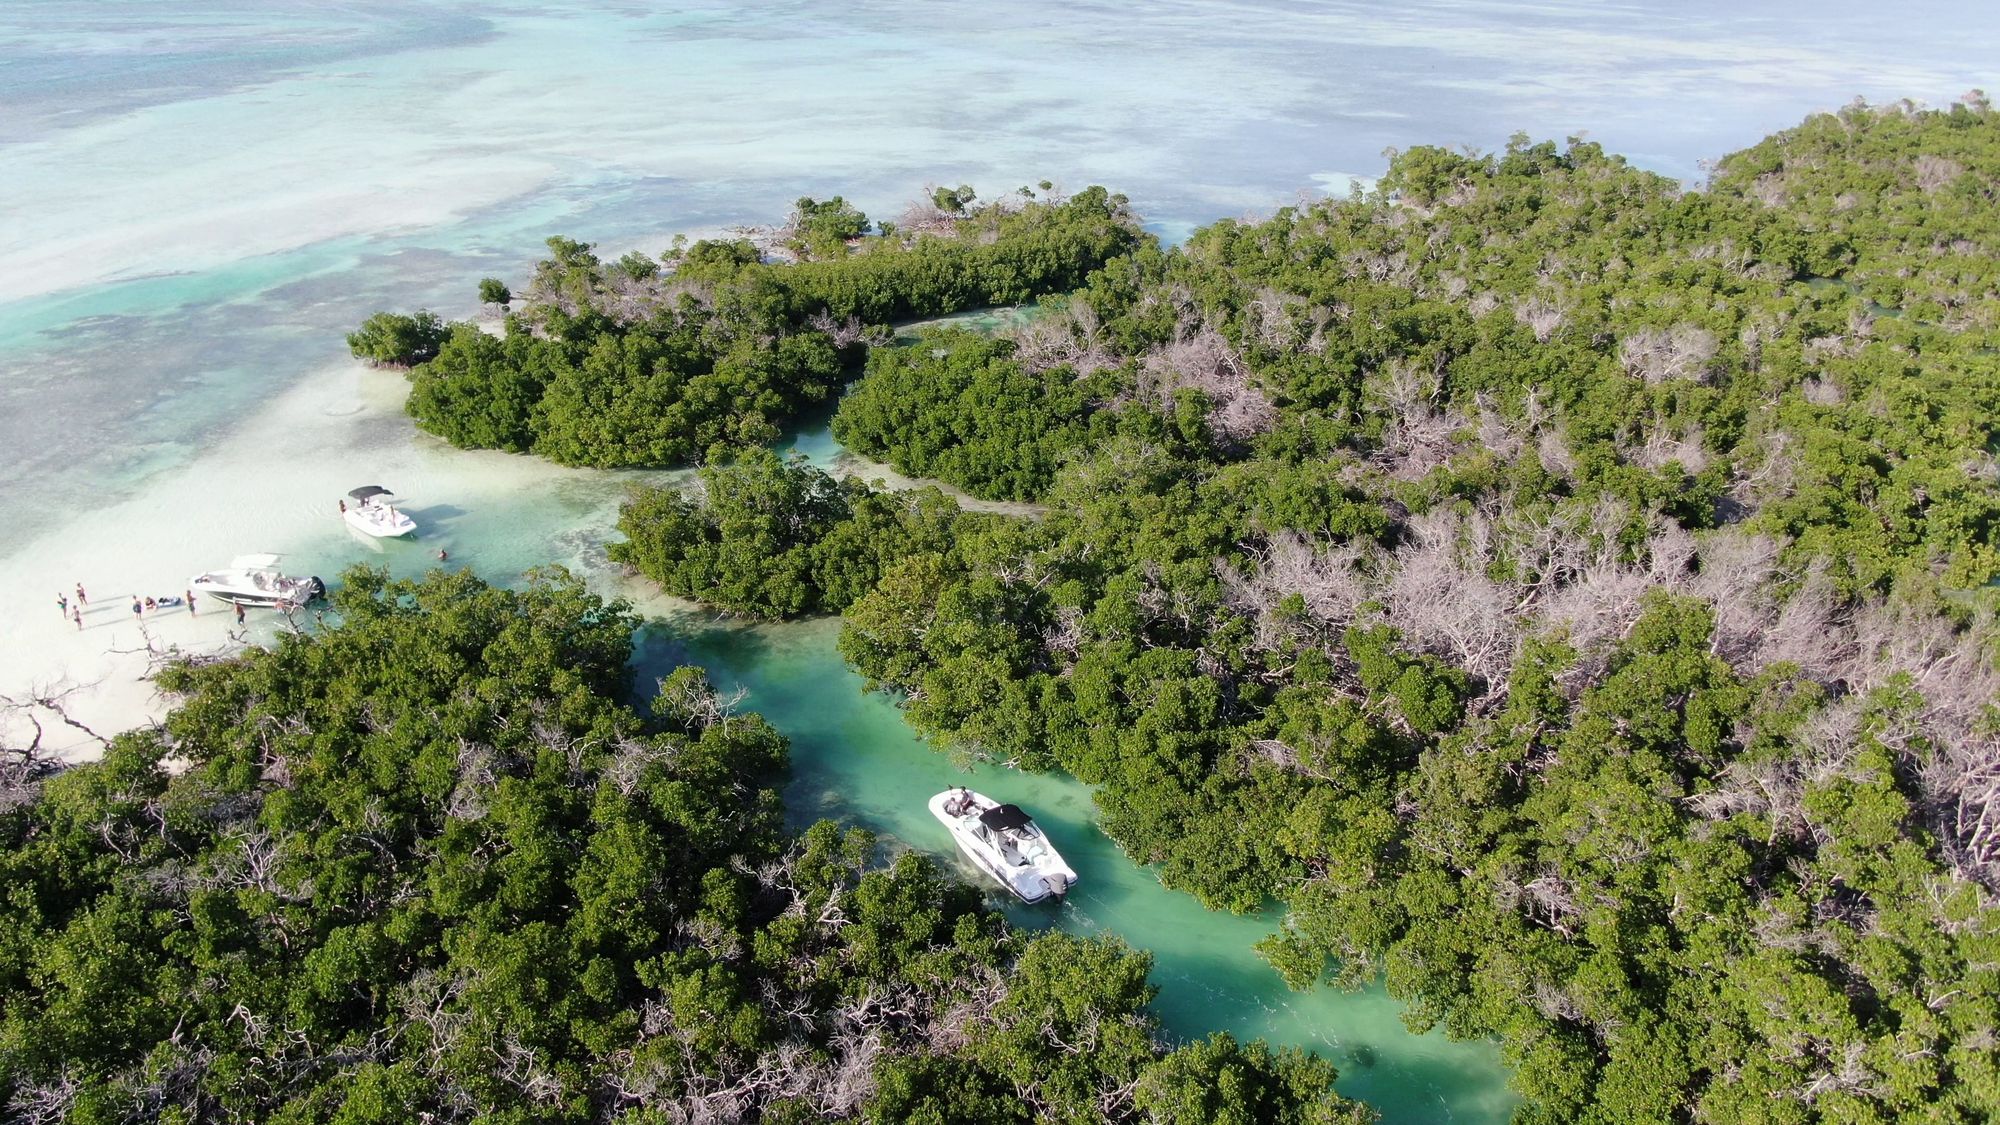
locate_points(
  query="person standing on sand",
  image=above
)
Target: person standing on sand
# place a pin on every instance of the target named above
(62, 604)
(76, 615)
(80, 599)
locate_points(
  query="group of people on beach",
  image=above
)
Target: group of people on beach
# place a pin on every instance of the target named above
(73, 610)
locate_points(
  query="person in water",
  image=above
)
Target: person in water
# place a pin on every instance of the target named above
(62, 604)
(343, 507)
(76, 615)
(151, 604)
(80, 599)
(441, 555)
(190, 602)
(239, 613)
(137, 609)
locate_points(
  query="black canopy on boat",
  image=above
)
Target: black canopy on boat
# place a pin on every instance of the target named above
(367, 491)
(1005, 817)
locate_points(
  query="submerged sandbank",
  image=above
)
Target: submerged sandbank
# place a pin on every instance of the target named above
(273, 484)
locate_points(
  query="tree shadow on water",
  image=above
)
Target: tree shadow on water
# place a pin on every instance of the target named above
(727, 651)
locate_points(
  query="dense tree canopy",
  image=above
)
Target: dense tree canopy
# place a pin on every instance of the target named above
(958, 406)
(771, 538)
(628, 364)
(392, 340)
(824, 228)
(423, 866)
(1907, 194)
(1568, 591)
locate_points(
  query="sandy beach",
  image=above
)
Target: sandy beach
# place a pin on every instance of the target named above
(272, 484)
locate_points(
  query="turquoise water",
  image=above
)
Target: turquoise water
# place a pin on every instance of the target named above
(853, 757)
(199, 199)
(854, 760)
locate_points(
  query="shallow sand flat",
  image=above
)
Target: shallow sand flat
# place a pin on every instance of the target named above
(1197, 108)
(273, 484)
(368, 158)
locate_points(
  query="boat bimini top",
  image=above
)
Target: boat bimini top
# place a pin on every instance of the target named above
(1005, 818)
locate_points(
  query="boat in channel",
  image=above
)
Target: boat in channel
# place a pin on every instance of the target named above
(374, 513)
(255, 581)
(1005, 843)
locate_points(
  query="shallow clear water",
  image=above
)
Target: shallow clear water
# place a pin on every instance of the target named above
(854, 760)
(197, 200)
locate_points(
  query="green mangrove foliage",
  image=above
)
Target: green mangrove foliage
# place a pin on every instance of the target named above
(1908, 193)
(422, 866)
(822, 229)
(628, 364)
(1568, 591)
(393, 340)
(958, 406)
(770, 538)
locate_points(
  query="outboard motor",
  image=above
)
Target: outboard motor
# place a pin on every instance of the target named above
(308, 592)
(1058, 886)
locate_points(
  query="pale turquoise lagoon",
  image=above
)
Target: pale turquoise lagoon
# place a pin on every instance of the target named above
(198, 199)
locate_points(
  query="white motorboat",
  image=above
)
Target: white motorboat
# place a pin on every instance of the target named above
(374, 513)
(1005, 843)
(254, 580)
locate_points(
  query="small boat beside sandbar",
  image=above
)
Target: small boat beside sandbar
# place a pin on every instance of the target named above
(374, 513)
(1005, 843)
(255, 581)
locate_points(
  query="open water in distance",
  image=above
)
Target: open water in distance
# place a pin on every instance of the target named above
(197, 200)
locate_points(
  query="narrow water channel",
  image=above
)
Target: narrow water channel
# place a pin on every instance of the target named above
(855, 760)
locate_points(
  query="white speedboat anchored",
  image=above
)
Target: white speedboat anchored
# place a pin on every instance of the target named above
(254, 580)
(1005, 843)
(374, 513)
